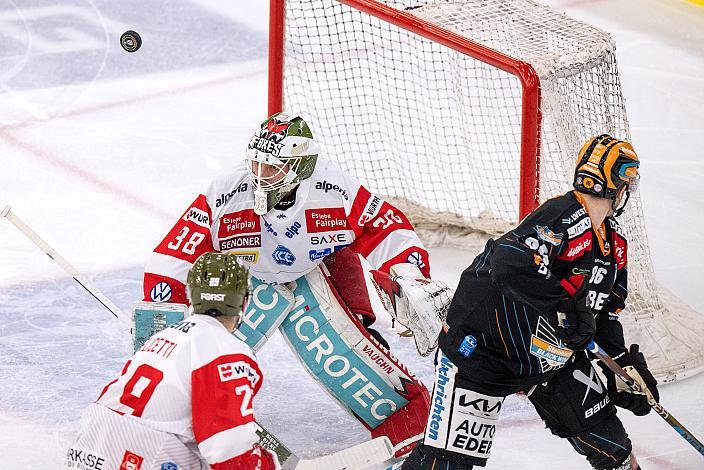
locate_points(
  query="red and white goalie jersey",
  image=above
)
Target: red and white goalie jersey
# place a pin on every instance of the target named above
(183, 401)
(331, 211)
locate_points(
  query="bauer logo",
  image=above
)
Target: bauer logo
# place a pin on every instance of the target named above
(326, 220)
(238, 370)
(283, 255)
(160, 292)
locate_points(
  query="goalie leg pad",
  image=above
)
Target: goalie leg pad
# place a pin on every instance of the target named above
(267, 307)
(354, 368)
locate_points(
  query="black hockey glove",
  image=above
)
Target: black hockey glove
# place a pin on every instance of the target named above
(575, 324)
(620, 394)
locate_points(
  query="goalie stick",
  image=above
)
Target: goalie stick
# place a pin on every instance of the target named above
(359, 456)
(635, 386)
(61, 261)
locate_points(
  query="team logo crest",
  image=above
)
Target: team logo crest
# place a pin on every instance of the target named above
(283, 255)
(547, 347)
(275, 130)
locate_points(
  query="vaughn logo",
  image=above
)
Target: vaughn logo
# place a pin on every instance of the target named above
(223, 198)
(325, 186)
(370, 210)
(214, 297)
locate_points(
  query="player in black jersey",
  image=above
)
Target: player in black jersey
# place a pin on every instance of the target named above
(567, 259)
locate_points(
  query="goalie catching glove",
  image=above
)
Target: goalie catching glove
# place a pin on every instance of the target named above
(620, 394)
(417, 303)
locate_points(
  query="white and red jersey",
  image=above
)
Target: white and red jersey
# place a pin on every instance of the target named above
(331, 211)
(184, 399)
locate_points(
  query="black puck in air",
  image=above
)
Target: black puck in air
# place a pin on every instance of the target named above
(130, 41)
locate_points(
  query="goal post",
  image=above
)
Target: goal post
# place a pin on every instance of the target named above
(530, 83)
(467, 114)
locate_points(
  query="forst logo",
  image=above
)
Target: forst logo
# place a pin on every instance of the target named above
(212, 297)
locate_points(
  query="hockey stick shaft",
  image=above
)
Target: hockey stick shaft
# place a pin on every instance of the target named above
(61, 261)
(636, 387)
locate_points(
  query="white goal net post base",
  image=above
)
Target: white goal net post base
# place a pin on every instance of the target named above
(468, 114)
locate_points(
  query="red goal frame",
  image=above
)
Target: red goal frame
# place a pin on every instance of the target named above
(529, 191)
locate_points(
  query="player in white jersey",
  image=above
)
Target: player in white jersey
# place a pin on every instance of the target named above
(285, 211)
(184, 400)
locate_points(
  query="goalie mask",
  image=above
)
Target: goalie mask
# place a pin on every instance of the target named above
(604, 166)
(280, 155)
(217, 285)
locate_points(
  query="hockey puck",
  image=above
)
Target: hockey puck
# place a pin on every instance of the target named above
(130, 41)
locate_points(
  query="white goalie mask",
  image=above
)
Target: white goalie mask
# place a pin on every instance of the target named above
(279, 156)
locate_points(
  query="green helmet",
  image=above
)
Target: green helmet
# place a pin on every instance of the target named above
(217, 285)
(283, 145)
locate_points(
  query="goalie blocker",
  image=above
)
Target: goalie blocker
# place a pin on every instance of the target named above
(339, 353)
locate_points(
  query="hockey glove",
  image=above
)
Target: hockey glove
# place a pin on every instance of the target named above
(576, 325)
(417, 303)
(620, 394)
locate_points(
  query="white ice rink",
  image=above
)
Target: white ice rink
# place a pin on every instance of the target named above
(101, 151)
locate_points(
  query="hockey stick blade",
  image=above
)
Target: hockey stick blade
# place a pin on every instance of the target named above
(359, 456)
(635, 386)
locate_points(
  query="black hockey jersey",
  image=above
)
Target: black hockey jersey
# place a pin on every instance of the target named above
(501, 320)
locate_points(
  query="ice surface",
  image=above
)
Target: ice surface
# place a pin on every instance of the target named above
(101, 150)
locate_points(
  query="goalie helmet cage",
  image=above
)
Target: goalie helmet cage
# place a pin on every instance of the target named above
(467, 114)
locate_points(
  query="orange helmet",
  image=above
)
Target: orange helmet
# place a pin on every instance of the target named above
(604, 165)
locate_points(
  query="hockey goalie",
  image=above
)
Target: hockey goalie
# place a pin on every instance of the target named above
(307, 232)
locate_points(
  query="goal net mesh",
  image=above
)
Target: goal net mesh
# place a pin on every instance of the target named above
(438, 133)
